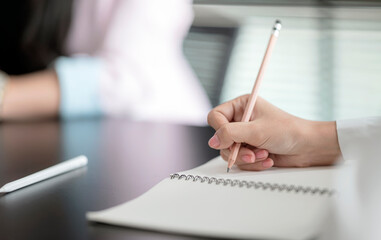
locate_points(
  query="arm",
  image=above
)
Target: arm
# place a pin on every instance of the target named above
(31, 96)
(273, 137)
(70, 90)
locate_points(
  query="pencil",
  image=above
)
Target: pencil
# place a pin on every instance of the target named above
(254, 93)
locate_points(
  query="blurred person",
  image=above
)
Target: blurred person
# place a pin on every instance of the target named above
(87, 58)
(276, 138)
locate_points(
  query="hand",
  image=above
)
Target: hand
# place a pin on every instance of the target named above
(272, 137)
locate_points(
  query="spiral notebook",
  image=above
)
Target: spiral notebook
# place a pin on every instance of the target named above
(279, 203)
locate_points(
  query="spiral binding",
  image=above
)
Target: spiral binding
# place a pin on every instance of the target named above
(253, 184)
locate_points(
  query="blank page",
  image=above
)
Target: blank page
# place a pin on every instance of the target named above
(195, 208)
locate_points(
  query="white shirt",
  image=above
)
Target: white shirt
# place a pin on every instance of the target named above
(356, 212)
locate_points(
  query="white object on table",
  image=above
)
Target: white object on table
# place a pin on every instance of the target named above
(47, 173)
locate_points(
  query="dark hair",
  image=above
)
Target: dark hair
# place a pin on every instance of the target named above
(33, 33)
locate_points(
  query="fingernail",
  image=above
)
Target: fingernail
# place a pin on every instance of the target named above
(247, 158)
(261, 154)
(267, 163)
(214, 142)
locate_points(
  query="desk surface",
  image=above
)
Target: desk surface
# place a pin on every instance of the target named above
(125, 160)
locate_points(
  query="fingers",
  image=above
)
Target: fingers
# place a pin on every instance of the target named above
(249, 159)
(227, 112)
(246, 155)
(258, 166)
(239, 132)
(216, 119)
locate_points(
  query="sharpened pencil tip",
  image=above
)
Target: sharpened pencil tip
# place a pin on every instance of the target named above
(228, 169)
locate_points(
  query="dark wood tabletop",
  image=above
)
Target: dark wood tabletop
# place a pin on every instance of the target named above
(125, 160)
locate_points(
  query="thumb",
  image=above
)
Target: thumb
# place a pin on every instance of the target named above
(239, 132)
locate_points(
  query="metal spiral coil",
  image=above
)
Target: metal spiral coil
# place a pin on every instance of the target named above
(253, 184)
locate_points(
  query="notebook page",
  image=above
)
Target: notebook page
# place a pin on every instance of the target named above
(202, 209)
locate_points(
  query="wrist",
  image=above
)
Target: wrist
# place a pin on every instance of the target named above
(322, 145)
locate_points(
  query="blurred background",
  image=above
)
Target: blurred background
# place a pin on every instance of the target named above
(326, 64)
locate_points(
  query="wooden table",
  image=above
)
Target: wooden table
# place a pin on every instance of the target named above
(125, 160)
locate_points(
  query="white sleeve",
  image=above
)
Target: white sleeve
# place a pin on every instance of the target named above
(355, 212)
(358, 136)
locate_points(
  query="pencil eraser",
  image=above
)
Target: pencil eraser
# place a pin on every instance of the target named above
(277, 25)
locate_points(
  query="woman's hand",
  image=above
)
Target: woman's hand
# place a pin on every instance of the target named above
(272, 137)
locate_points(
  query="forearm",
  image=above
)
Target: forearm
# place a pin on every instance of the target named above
(31, 96)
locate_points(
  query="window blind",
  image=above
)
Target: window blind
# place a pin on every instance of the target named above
(321, 69)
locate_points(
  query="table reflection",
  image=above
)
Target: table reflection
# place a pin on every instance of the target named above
(125, 160)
